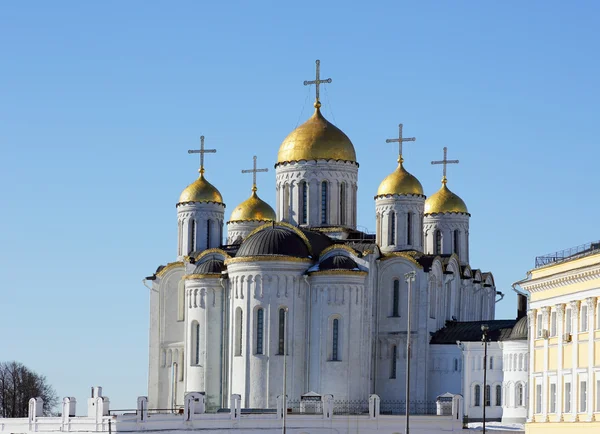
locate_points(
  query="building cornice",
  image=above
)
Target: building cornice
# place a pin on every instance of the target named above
(168, 267)
(570, 277)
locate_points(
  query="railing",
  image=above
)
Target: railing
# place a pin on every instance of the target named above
(416, 407)
(571, 253)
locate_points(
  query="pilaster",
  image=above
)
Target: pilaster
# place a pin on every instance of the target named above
(531, 317)
(574, 378)
(560, 313)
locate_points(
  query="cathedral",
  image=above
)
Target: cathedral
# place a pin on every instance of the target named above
(296, 298)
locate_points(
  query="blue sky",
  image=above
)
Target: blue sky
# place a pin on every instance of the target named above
(99, 103)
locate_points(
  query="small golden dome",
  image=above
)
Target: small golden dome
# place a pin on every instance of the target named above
(400, 182)
(200, 191)
(444, 201)
(316, 139)
(253, 208)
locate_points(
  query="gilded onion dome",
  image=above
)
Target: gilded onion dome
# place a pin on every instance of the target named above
(201, 191)
(444, 201)
(253, 208)
(400, 182)
(316, 139)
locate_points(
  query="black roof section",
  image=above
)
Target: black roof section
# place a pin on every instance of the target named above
(470, 331)
(338, 262)
(211, 266)
(274, 240)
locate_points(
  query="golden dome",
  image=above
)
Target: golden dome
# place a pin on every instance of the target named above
(253, 208)
(316, 139)
(444, 201)
(400, 182)
(200, 191)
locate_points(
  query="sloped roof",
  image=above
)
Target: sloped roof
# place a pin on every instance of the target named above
(470, 331)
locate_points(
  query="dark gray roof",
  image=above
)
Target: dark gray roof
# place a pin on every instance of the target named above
(274, 240)
(519, 331)
(318, 241)
(210, 266)
(338, 262)
(470, 331)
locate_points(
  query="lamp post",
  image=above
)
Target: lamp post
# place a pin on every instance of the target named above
(410, 278)
(484, 331)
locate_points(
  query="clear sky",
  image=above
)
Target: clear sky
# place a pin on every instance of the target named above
(100, 101)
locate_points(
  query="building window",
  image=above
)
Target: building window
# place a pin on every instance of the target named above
(491, 363)
(396, 298)
(582, 396)
(392, 241)
(553, 323)
(488, 399)
(281, 342)
(324, 202)
(342, 203)
(304, 203)
(239, 317)
(456, 241)
(567, 397)
(432, 299)
(208, 230)
(498, 395)
(519, 395)
(394, 361)
(335, 339)
(260, 329)
(195, 340)
(477, 395)
(568, 321)
(538, 398)
(437, 249)
(455, 365)
(553, 398)
(584, 318)
(409, 228)
(539, 325)
(180, 237)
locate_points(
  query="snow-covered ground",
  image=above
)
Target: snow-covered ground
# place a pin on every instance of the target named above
(497, 426)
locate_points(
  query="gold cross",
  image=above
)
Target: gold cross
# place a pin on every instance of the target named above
(445, 162)
(201, 151)
(400, 140)
(254, 171)
(317, 81)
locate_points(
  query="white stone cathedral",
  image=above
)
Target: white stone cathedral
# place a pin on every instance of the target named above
(302, 280)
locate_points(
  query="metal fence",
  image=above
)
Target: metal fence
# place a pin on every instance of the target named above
(416, 407)
(571, 253)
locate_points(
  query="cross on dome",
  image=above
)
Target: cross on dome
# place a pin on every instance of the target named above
(445, 162)
(254, 171)
(400, 140)
(317, 81)
(201, 151)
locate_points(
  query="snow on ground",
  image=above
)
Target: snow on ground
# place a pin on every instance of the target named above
(497, 426)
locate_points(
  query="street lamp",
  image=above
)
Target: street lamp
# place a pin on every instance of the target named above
(484, 332)
(410, 278)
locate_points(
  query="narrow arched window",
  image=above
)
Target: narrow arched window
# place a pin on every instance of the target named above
(491, 363)
(519, 393)
(239, 317)
(396, 298)
(324, 202)
(392, 241)
(304, 192)
(195, 341)
(477, 395)
(197, 352)
(260, 327)
(432, 300)
(208, 230)
(281, 342)
(335, 343)
(342, 203)
(409, 228)
(438, 243)
(455, 365)
(180, 225)
(286, 202)
(394, 361)
(498, 395)
(487, 396)
(456, 242)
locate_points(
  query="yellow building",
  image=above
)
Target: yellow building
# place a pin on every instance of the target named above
(564, 341)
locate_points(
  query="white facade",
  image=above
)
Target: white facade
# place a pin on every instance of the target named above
(200, 226)
(399, 220)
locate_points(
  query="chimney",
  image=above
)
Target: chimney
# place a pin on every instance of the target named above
(521, 306)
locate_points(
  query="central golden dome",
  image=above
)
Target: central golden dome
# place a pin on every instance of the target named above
(200, 191)
(444, 201)
(253, 208)
(400, 182)
(316, 139)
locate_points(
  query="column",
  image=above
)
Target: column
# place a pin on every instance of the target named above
(294, 204)
(531, 317)
(334, 203)
(545, 320)
(591, 308)
(574, 380)
(314, 203)
(560, 313)
(277, 202)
